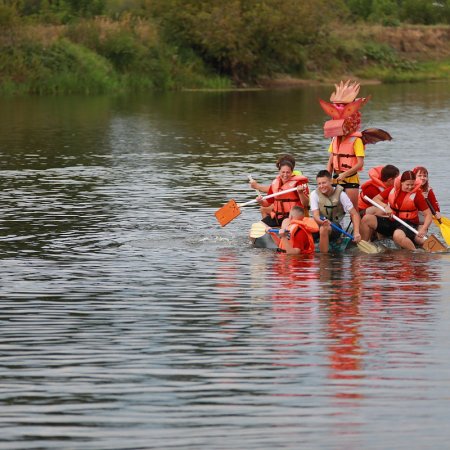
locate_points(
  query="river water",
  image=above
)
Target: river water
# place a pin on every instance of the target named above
(131, 320)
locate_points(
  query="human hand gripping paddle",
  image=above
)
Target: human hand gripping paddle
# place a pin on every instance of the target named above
(250, 178)
(364, 246)
(443, 223)
(431, 244)
(231, 210)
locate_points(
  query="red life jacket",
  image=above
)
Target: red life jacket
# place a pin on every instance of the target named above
(375, 181)
(344, 157)
(285, 202)
(309, 225)
(407, 210)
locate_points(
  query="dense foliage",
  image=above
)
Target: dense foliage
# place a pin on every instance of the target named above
(166, 44)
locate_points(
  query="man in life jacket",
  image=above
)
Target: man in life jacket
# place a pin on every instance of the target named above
(404, 200)
(329, 203)
(296, 233)
(381, 178)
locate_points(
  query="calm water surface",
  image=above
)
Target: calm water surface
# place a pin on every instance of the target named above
(131, 320)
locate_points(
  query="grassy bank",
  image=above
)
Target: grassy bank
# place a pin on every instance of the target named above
(102, 55)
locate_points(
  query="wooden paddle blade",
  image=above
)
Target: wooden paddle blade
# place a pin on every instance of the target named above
(257, 230)
(367, 247)
(227, 213)
(433, 245)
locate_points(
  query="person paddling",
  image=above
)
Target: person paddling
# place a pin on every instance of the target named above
(296, 233)
(381, 178)
(404, 200)
(422, 175)
(280, 206)
(330, 203)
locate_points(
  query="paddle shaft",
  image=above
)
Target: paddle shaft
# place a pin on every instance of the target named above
(250, 178)
(393, 215)
(338, 228)
(268, 196)
(433, 211)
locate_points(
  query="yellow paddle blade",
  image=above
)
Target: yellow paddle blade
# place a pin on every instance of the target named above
(445, 221)
(433, 245)
(227, 213)
(257, 230)
(444, 227)
(367, 247)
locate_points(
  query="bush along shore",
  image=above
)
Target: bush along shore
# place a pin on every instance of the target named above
(190, 45)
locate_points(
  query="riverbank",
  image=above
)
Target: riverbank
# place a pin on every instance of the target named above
(104, 56)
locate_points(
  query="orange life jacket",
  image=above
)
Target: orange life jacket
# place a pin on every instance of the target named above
(407, 210)
(309, 225)
(375, 180)
(285, 202)
(344, 157)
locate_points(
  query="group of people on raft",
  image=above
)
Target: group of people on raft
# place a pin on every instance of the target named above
(408, 195)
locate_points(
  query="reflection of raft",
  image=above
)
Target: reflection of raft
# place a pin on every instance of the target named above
(270, 241)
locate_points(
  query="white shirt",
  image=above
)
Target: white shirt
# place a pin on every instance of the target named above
(343, 198)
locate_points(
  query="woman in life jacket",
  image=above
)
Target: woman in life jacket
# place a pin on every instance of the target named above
(276, 209)
(404, 200)
(422, 175)
(380, 178)
(296, 233)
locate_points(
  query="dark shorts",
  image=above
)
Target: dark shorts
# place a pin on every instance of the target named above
(386, 227)
(350, 185)
(334, 235)
(344, 184)
(272, 222)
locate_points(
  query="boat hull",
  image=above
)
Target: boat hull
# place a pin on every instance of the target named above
(270, 241)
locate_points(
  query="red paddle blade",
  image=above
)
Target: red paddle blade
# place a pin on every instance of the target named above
(227, 213)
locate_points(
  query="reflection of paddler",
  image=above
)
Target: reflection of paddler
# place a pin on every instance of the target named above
(296, 234)
(277, 208)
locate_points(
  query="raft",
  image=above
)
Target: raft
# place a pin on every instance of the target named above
(270, 241)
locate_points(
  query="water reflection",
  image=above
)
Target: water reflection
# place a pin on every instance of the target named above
(131, 319)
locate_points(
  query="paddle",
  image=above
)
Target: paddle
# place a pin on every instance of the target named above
(431, 244)
(444, 226)
(231, 210)
(259, 229)
(364, 246)
(250, 178)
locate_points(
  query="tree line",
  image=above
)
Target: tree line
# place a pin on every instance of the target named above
(240, 40)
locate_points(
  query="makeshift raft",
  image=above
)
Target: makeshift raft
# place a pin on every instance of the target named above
(270, 241)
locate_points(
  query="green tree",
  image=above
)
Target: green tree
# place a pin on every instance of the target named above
(245, 38)
(419, 12)
(384, 11)
(359, 8)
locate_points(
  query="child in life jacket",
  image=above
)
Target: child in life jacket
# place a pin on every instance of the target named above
(380, 178)
(422, 175)
(296, 233)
